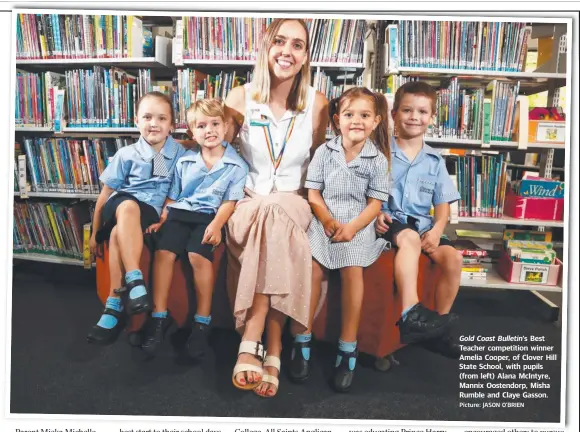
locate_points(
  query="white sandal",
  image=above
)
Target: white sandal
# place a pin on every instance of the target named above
(257, 350)
(271, 361)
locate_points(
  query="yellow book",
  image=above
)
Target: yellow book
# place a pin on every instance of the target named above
(54, 227)
(87, 256)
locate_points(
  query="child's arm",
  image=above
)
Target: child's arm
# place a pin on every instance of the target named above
(347, 231)
(155, 227)
(101, 200)
(321, 212)
(430, 239)
(213, 232)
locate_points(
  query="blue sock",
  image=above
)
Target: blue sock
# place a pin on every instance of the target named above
(109, 321)
(138, 290)
(346, 347)
(406, 311)
(202, 319)
(301, 338)
(159, 314)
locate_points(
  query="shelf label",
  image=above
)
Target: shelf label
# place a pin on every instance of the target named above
(534, 274)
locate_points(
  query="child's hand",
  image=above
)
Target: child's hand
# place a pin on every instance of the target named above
(344, 233)
(95, 248)
(330, 227)
(154, 227)
(381, 224)
(430, 241)
(212, 235)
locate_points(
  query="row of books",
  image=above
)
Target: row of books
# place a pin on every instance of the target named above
(473, 260)
(190, 85)
(324, 83)
(498, 46)
(58, 36)
(67, 165)
(97, 97)
(239, 38)
(52, 228)
(481, 182)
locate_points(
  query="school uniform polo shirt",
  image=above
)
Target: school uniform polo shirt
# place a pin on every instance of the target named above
(131, 171)
(197, 189)
(418, 184)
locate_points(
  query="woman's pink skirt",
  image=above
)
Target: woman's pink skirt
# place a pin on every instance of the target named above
(269, 253)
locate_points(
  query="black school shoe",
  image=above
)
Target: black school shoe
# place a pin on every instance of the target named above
(445, 346)
(137, 305)
(421, 324)
(343, 376)
(101, 335)
(299, 368)
(154, 333)
(197, 343)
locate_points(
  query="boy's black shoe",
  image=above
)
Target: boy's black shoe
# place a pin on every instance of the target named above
(154, 333)
(421, 324)
(137, 305)
(299, 369)
(445, 346)
(197, 344)
(101, 335)
(343, 376)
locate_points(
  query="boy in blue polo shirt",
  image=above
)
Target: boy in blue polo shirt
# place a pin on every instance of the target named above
(420, 180)
(207, 183)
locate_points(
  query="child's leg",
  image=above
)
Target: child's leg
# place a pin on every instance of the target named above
(203, 278)
(130, 241)
(158, 322)
(108, 327)
(406, 269)
(450, 262)
(352, 293)
(417, 323)
(299, 367)
(201, 258)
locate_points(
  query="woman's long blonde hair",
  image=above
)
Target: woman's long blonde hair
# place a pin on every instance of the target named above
(261, 82)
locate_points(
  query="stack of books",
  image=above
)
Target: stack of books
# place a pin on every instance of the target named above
(472, 269)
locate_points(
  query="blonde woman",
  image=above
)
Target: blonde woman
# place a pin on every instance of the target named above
(280, 119)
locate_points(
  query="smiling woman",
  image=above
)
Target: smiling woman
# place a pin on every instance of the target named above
(280, 119)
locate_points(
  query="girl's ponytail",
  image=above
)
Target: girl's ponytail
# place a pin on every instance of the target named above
(332, 110)
(382, 139)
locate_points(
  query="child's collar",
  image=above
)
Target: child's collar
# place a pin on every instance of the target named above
(368, 151)
(168, 150)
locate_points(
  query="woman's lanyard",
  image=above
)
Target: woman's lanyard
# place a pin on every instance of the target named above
(276, 161)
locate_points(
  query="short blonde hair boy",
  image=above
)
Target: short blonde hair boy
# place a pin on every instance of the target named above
(208, 107)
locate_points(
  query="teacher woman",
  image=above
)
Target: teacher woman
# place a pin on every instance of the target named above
(280, 119)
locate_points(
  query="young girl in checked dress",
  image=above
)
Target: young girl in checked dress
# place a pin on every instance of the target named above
(348, 181)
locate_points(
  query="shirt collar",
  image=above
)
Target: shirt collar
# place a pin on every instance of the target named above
(169, 149)
(369, 150)
(426, 149)
(230, 156)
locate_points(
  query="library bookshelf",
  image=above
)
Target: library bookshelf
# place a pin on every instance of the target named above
(374, 63)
